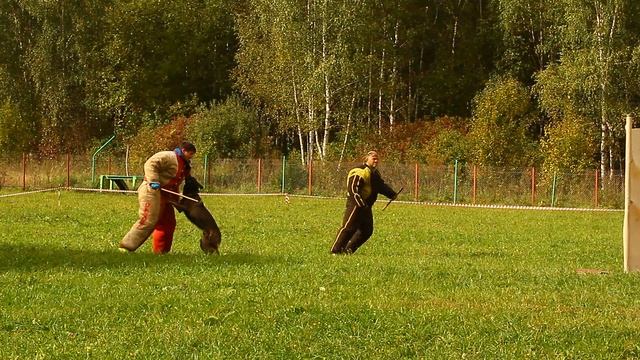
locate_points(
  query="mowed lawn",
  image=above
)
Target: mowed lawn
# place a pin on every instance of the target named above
(432, 283)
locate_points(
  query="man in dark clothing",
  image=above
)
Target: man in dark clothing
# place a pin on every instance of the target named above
(363, 185)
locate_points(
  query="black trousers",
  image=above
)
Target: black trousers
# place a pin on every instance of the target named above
(357, 227)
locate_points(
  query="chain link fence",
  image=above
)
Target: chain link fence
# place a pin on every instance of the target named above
(458, 183)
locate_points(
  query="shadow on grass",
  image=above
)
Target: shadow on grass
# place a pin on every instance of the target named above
(32, 258)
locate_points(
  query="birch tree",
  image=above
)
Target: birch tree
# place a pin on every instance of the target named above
(296, 75)
(595, 45)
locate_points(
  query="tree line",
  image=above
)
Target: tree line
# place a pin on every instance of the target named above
(494, 82)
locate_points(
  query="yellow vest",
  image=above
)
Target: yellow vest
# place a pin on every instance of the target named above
(365, 174)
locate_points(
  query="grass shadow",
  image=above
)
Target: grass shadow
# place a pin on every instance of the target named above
(34, 258)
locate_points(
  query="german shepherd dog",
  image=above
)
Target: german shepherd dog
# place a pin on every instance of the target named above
(198, 214)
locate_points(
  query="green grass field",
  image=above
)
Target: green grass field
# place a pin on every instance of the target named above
(432, 283)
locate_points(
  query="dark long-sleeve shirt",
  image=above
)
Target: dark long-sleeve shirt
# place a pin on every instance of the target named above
(365, 183)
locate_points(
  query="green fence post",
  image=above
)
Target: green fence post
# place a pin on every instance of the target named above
(553, 189)
(93, 159)
(455, 181)
(284, 161)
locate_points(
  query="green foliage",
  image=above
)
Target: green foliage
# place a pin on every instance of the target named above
(77, 71)
(459, 42)
(448, 145)
(569, 88)
(592, 75)
(225, 130)
(432, 283)
(82, 69)
(160, 53)
(16, 134)
(569, 145)
(502, 117)
(328, 64)
(530, 36)
(48, 61)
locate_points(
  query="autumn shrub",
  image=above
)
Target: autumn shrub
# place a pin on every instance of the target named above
(227, 129)
(570, 145)
(150, 140)
(436, 142)
(502, 116)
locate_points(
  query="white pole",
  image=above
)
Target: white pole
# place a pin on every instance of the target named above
(176, 193)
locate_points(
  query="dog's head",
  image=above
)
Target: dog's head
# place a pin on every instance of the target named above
(191, 186)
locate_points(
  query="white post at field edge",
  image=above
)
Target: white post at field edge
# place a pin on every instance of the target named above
(632, 199)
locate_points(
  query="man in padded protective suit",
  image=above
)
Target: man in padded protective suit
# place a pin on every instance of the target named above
(166, 170)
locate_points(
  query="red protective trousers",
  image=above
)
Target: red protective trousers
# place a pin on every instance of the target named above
(165, 227)
(156, 215)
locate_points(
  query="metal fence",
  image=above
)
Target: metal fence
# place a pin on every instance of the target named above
(463, 183)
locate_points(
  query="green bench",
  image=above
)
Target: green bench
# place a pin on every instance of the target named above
(120, 181)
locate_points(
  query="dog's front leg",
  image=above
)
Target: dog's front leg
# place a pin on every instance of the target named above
(178, 206)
